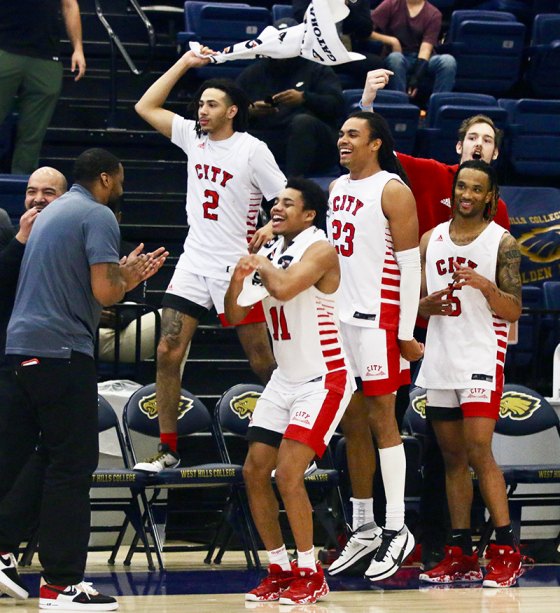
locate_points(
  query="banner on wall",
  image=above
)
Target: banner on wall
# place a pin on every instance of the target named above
(534, 214)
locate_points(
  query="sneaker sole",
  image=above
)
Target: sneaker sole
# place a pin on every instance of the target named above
(494, 584)
(11, 588)
(253, 598)
(353, 561)
(408, 547)
(48, 603)
(312, 599)
(470, 577)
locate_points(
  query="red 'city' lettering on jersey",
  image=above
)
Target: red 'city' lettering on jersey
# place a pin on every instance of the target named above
(213, 173)
(347, 203)
(445, 267)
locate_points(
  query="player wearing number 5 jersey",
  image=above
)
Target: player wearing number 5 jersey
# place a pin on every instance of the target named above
(374, 227)
(294, 419)
(229, 172)
(472, 291)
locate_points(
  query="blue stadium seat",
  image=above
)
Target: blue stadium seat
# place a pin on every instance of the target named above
(394, 107)
(281, 11)
(543, 69)
(218, 25)
(551, 291)
(488, 47)
(438, 137)
(533, 136)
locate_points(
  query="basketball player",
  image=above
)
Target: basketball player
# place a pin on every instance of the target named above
(302, 404)
(431, 182)
(374, 228)
(472, 291)
(229, 172)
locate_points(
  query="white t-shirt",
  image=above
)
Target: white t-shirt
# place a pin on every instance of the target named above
(369, 294)
(468, 349)
(226, 182)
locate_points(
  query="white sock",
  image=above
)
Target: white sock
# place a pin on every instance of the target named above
(306, 559)
(393, 470)
(362, 513)
(279, 556)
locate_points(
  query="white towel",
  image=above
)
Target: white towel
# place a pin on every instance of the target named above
(315, 39)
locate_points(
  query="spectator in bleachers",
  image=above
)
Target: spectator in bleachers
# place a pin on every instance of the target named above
(410, 30)
(229, 173)
(295, 110)
(30, 69)
(355, 31)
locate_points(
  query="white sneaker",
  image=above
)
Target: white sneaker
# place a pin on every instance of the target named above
(165, 458)
(308, 471)
(394, 549)
(74, 598)
(356, 549)
(10, 581)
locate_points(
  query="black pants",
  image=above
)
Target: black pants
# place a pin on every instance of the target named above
(57, 400)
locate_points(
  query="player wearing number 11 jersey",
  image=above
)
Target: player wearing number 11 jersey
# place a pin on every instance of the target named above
(229, 172)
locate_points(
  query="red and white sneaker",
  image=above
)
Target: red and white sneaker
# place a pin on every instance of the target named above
(270, 588)
(505, 566)
(74, 598)
(455, 567)
(307, 587)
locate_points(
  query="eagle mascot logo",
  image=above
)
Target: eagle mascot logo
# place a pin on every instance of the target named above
(518, 405)
(148, 405)
(419, 404)
(244, 404)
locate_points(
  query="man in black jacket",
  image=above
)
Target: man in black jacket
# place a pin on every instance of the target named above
(296, 109)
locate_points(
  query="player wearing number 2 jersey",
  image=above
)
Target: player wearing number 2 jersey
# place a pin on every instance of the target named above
(373, 225)
(473, 291)
(229, 172)
(302, 404)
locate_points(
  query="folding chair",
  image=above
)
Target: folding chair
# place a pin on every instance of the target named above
(112, 478)
(528, 428)
(230, 423)
(140, 417)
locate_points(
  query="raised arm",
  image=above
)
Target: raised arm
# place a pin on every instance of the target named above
(73, 23)
(375, 80)
(504, 296)
(150, 105)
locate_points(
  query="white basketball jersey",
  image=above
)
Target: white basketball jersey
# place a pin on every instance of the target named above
(468, 349)
(305, 337)
(370, 285)
(226, 182)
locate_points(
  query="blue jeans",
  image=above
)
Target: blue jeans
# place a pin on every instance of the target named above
(441, 67)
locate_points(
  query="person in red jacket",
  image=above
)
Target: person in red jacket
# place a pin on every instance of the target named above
(431, 183)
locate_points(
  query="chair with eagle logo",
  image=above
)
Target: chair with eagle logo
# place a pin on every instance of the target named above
(526, 445)
(230, 423)
(140, 418)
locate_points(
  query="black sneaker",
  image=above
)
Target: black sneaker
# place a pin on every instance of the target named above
(10, 581)
(74, 598)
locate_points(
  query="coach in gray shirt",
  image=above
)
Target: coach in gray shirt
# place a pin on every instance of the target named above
(70, 270)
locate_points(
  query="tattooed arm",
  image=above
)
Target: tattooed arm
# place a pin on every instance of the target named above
(110, 281)
(504, 296)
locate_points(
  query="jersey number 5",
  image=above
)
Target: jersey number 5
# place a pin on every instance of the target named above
(280, 330)
(456, 303)
(210, 204)
(343, 237)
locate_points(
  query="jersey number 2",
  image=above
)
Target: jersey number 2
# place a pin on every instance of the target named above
(280, 330)
(343, 237)
(210, 204)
